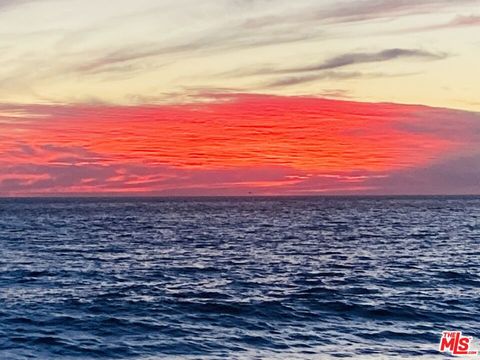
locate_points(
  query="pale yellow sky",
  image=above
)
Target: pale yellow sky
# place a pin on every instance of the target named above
(150, 51)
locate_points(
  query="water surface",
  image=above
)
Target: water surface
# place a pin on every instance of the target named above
(292, 278)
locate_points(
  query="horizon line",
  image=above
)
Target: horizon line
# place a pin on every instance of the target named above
(131, 196)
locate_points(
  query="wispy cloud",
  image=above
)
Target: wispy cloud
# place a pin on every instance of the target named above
(460, 21)
(327, 69)
(218, 40)
(374, 9)
(70, 51)
(302, 79)
(365, 57)
(245, 35)
(472, 20)
(355, 11)
(8, 3)
(328, 75)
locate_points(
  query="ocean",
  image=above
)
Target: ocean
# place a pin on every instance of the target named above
(237, 278)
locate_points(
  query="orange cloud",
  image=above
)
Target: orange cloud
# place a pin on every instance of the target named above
(118, 148)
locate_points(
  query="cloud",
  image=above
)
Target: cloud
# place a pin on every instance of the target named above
(296, 80)
(472, 20)
(454, 175)
(329, 75)
(4, 4)
(355, 58)
(354, 11)
(83, 59)
(457, 22)
(326, 69)
(237, 144)
(214, 41)
(246, 35)
(374, 9)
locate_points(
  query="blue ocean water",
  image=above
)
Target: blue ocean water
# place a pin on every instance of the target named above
(239, 278)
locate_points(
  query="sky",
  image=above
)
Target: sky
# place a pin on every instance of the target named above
(239, 97)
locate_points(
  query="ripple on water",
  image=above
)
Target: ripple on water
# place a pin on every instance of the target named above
(236, 278)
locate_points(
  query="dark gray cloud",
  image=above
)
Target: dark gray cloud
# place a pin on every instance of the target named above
(326, 69)
(365, 57)
(329, 75)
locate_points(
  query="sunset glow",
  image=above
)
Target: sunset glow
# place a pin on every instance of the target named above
(233, 142)
(250, 99)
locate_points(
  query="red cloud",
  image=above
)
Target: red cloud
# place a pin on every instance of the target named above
(173, 147)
